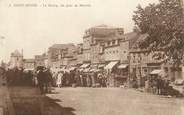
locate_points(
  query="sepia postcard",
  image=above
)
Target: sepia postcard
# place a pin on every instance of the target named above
(91, 57)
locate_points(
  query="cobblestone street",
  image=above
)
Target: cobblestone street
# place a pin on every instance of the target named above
(109, 101)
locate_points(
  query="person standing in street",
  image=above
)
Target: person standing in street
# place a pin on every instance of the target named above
(48, 81)
(40, 77)
(59, 81)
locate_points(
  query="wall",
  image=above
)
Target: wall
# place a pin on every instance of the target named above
(86, 48)
(112, 53)
(16, 61)
(124, 50)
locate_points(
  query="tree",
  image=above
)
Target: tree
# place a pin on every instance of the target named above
(164, 24)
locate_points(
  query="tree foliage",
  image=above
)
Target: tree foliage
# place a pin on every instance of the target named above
(164, 24)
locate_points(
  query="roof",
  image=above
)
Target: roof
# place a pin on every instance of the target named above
(84, 65)
(29, 60)
(134, 42)
(103, 26)
(104, 32)
(130, 35)
(62, 46)
(156, 71)
(111, 65)
(43, 56)
(16, 53)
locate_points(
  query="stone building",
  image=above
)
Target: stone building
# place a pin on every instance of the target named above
(94, 43)
(116, 54)
(62, 55)
(79, 54)
(29, 64)
(143, 64)
(16, 59)
(40, 60)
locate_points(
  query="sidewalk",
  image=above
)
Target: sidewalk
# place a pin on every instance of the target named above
(26, 100)
(6, 105)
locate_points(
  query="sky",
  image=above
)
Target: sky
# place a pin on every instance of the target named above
(34, 29)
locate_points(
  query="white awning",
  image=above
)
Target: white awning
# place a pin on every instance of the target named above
(92, 70)
(101, 65)
(81, 70)
(86, 70)
(84, 65)
(29, 69)
(111, 65)
(156, 72)
(72, 68)
(63, 68)
(122, 66)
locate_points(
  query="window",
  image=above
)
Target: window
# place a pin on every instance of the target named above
(166, 69)
(134, 61)
(145, 70)
(113, 42)
(117, 41)
(109, 43)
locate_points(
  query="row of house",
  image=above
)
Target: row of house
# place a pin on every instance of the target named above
(17, 60)
(103, 47)
(110, 47)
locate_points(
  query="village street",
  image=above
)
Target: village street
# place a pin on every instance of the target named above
(109, 101)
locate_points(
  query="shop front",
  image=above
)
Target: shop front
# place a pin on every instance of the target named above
(110, 70)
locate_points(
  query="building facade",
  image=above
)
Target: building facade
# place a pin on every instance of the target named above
(29, 64)
(61, 55)
(16, 59)
(94, 42)
(79, 54)
(143, 63)
(41, 60)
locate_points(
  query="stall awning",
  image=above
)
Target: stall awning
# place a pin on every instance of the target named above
(29, 69)
(92, 70)
(63, 68)
(84, 65)
(156, 72)
(72, 68)
(111, 65)
(122, 66)
(86, 70)
(101, 65)
(81, 70)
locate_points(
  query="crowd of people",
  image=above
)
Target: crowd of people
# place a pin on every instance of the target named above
(77, 78)
(44, 78)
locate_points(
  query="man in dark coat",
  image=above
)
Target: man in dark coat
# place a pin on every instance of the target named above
(40, 77)
(48, 80)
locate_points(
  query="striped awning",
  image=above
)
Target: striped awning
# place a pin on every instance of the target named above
(156, 72)
(122, 66)
(84, 65)
(111, 65)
